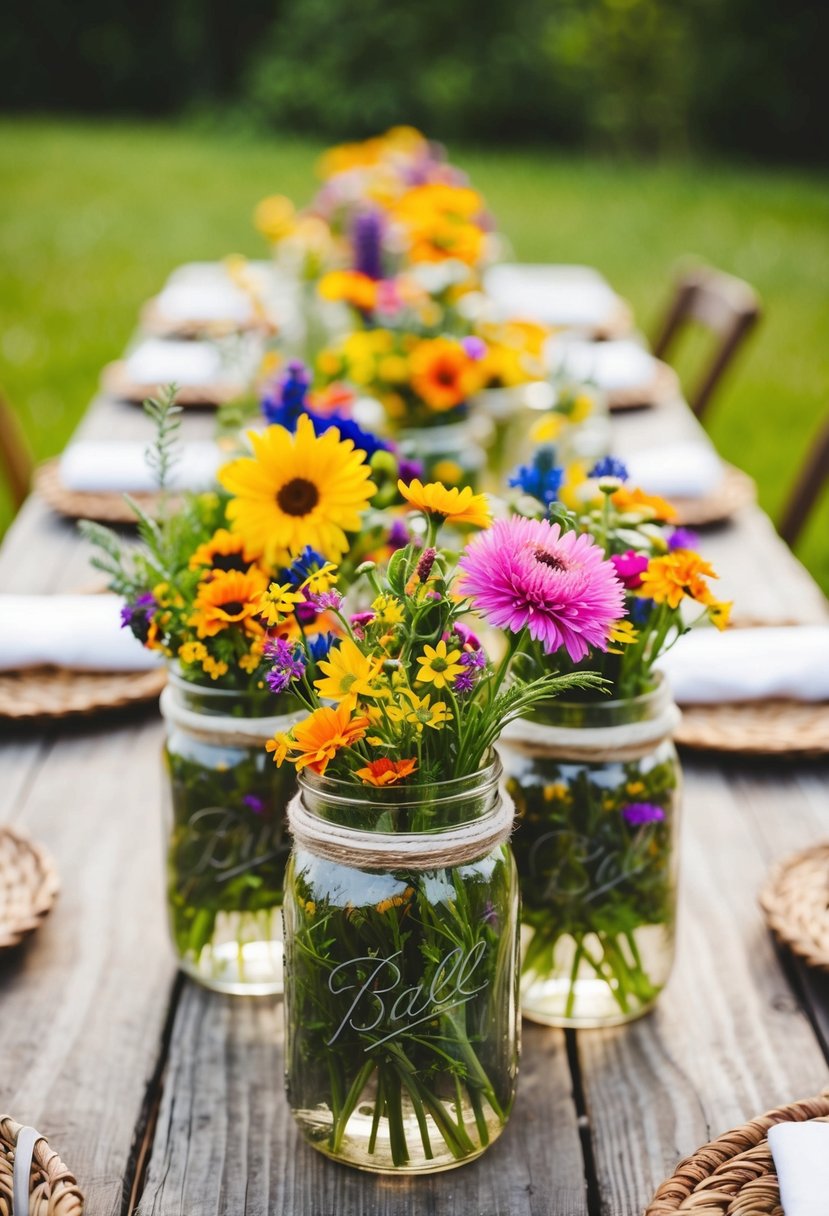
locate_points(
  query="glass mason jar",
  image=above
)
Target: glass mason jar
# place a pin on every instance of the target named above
(401, 994)
(596, 787)
(450, 452)
(226, 836)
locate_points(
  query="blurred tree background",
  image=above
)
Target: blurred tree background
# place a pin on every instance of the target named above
(636, 76)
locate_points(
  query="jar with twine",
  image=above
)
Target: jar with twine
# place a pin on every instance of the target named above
(596, 786)
(401, 993)
(226, 835)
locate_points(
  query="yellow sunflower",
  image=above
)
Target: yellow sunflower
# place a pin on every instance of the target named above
(459, 506)
(228, 598)
(298, 490)
(224, 551)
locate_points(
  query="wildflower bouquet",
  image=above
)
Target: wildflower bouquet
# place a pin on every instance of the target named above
(221, 584)
(405, 711)
(595, 842)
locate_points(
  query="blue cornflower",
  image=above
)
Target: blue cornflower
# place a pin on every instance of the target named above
(303, 566)
(137, 616)
(319, 645)
(285, 403)
(609, 466)
(367, 242)
(542, 478)
(640, 609)
(364, 441)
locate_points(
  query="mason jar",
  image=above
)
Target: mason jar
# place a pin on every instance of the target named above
(401, 995)
(452, 452)
(596, 787)
(226, 835)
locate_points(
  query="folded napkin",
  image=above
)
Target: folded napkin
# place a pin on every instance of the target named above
(159, 361)
(571, 296)
(801, 1159)
(609, 365)
(212, 300)
(78, 632)
(706, 667)
(121, 465)
(676, 470)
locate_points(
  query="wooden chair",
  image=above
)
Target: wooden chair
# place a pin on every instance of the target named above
(807, 488)
(726, 306)
(15, 461)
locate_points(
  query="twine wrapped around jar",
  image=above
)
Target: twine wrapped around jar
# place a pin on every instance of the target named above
(222, 730)
(588, 744)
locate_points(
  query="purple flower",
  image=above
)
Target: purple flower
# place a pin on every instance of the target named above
(474, 347)
(138, 615)
(639, 813)
(254, 804)
(285, 402)
(473, 659)
(359, 620)
(288, 664)
(398, 536)
(325, 600)
(465, 682)
(609, 466)
(367, 241)
(525, 574)
(629, 568)
(466, 636)
(424, 566)
(683, 538)
(408, 470)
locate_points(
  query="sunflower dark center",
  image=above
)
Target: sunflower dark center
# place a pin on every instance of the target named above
(445, 376)
(550, 559)
(229, 561)
(298, 496)
(233, 607)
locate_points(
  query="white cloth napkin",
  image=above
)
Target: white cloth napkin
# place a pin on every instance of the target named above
(121, 465)
(570, 296)
(213, 300)
(706, 667)
(609, 365)
(78, 632)
(159, 361)
(801, 1160)
(676, 470)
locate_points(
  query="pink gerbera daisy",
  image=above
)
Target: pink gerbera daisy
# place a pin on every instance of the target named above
(526, 573)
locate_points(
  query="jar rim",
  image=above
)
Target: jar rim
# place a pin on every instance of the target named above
(341, 792)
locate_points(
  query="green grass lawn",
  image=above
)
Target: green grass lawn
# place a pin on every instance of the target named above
(93, 217)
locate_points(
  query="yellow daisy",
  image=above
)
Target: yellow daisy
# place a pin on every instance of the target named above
(347, 673)
(439, 666)
(278, 602)
(419, 711)
(457, 506)
(298, 490)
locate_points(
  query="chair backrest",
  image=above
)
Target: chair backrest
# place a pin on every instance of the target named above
(808, 484)
(15, 461)
(726, 306)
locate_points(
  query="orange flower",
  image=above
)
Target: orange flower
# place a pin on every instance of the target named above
(638, 501)
(224, 551)
(458, 506)
(350, 286)
(443, 374)
(669, 579)
(386, 772)
(228, 598)
(317, 739)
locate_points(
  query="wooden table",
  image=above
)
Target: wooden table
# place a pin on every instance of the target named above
(167, 1099)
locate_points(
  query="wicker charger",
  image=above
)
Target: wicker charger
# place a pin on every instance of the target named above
(791, 729)
(662, 387)
(53, 692)
(115, 381)
(734, 1174)
(107, 507)
(28, 886)
(53, 1190)
(795, 900)
(735, 491)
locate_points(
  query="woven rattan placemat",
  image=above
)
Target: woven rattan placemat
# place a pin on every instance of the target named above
(114, 380)
(661, 388)
(736, 490)
(53, 1190)
(52, 692)
(106, 507)
(796, 729)
(28, 886)
(734, 1174)
(795, 900)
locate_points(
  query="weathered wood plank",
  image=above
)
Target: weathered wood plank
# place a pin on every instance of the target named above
(226, 1141)
(729, 1039)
